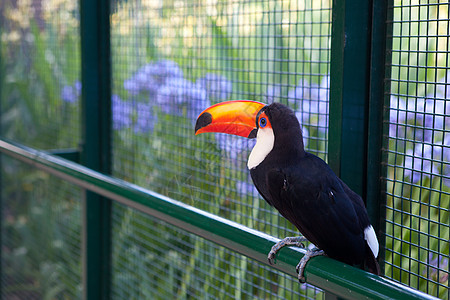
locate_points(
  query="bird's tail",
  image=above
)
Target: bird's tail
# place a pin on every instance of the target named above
(371, 263)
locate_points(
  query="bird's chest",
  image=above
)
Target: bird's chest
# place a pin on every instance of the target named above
(259, 177)
(273, 183)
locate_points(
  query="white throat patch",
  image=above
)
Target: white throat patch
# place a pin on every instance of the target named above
(264, 144)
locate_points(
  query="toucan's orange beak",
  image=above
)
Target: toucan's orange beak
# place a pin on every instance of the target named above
(236, 117)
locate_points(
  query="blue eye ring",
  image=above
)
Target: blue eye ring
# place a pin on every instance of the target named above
(262, 122)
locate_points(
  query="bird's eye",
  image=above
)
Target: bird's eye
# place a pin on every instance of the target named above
(262, 122)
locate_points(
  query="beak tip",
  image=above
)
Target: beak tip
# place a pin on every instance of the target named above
(252, 134)
(202, 121)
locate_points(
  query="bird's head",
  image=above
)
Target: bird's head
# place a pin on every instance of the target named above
(275, 127)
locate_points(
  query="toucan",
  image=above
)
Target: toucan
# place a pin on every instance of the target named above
(300, 185)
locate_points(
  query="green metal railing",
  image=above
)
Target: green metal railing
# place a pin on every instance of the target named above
(338, 278)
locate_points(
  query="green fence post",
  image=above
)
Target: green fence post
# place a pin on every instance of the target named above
(358, 53)
(96, 145)
(349, 85)
(349, 89)
(378, 95)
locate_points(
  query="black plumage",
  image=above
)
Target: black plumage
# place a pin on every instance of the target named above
(304, 189)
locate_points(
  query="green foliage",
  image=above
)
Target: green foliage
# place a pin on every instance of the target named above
(154, 260)
(41, 224)
(35, 73)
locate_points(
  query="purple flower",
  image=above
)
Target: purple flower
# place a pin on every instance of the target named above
(142, 80)
(446, 159)
(429, 114)
(317, 112)
(324, 89)
(179, 94)
(146, 118)
(418, 162)
(312, 102)
(151, 76)
(273, 92)
(163, 82)
(233, 145)
(217, 86)
(77, 86)
(196, 107)
(427, 160)
(70, 93)
(437, 264)
(245, 188)
(121, 113)
(313, 92)
(397, 117)
(443, 87)
(133, 85)
(301, 91)
(305, 134)
(418, 118)
(166, 68)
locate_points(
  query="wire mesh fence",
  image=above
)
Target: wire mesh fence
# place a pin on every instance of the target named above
(39, 106)
(154, 260)
(171, 61)
(40, 76)
(418, 147)
(40, 234)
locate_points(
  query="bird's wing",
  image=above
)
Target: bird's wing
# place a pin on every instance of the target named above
(316, 203)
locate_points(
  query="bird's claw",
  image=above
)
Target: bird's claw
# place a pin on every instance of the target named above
(294, 241)
(288, 241)
(272, 257)
(300, 268)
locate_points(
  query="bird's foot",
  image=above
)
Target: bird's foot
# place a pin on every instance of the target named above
(302, 264)
(288, 241)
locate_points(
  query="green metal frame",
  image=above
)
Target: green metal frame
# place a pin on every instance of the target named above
(331, 275)
(357, 97)
(376, 193)
(96, 143)
(349, 86)
(69, 154)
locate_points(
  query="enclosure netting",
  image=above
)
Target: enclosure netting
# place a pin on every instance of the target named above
(39, 106)
(154, 260)
(417, 147)
(173, 59)
(40, 83)
(40, 234)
